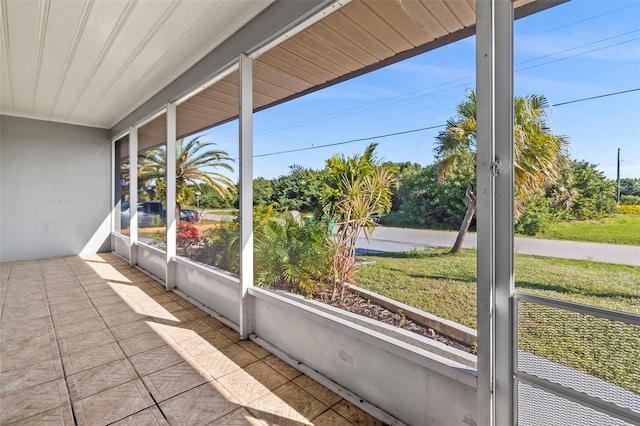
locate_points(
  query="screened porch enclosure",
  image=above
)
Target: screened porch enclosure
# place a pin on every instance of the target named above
(77, 259)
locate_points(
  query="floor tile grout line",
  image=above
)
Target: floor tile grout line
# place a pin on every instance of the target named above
(158, 402)
(132, 414)
(126, 356)
(64, 371)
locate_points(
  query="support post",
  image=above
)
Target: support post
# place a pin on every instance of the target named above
(494, 81)
(618, 179)
(170, 279)
(116, 190)
(133, 196)
(505, 323)
(247, 325)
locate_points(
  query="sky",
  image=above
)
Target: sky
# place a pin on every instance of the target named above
(577, 50)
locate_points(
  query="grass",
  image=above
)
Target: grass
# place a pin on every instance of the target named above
(617, 229)
(445, 285)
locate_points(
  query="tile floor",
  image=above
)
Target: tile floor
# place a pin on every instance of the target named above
(92, 341)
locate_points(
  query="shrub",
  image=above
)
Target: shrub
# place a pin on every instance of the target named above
(629, 209)
(535, 218)
(156, 221)
(221, 248)
(630, 200)
(292, 255)
(186, 235)
(422, 200)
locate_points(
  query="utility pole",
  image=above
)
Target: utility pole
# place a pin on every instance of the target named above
(618, 179)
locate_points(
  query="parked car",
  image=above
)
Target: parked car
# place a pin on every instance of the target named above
(189, 215)
(147, 210)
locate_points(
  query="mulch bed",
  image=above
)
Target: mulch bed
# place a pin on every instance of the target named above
(353, 303)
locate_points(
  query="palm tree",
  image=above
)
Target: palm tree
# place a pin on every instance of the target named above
(357, 189)
(539, 155)
(196, 164)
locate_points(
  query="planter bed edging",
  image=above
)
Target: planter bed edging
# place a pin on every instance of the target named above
(452, 329)
(413, 339)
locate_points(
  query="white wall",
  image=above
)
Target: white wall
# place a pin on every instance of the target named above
(54, 189)
(415, 386)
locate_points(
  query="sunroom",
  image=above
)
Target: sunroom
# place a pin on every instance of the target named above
(87, 86)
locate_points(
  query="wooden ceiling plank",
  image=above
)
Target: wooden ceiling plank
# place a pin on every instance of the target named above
(214, 95)
(421, 15)
(331, 37)
(443, 15)
(398, 17)
(276, 61)
(267, 88)
(201, 108)
(466, 11)
(206, 114)
(275, 76)
(211, 117)
(348, 29)
(294, 62)
(218, 96)
(260, 100)
(310, 54)
(311, 41)
(227, 88)
(379, 28)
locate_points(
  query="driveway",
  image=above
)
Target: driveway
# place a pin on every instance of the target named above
(386, 239)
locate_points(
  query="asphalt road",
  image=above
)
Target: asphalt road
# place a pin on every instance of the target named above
(386, 239)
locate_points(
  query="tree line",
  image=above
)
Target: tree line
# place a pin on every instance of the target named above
(549, 185)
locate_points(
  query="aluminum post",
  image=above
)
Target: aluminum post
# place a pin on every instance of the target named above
(170, 279)
(133, 196)
(247, 316)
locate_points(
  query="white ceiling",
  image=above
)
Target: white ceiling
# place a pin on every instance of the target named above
(92, 62)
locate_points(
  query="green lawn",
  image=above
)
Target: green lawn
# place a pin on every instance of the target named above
(445, 285)
(618, 229)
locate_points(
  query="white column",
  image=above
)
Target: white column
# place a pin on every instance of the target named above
(133, 196)
(116, 189)
(505, 327)
(170, 280)
(494, 81)
(247, 317)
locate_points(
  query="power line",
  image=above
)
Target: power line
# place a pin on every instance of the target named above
(388, 135)
(596, 97)
(578, 54)
(416, 94)
(422, 129)
(428, 91)
(578, 22)
(579, 47)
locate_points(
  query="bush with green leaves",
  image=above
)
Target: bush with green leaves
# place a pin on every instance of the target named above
(301, 189)
(582, 192)
(535, 218)
(220, 248)
(291, 255)
(422, 200)
(156, 221)
(630, 186)
(287, 254)
(630, 200)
